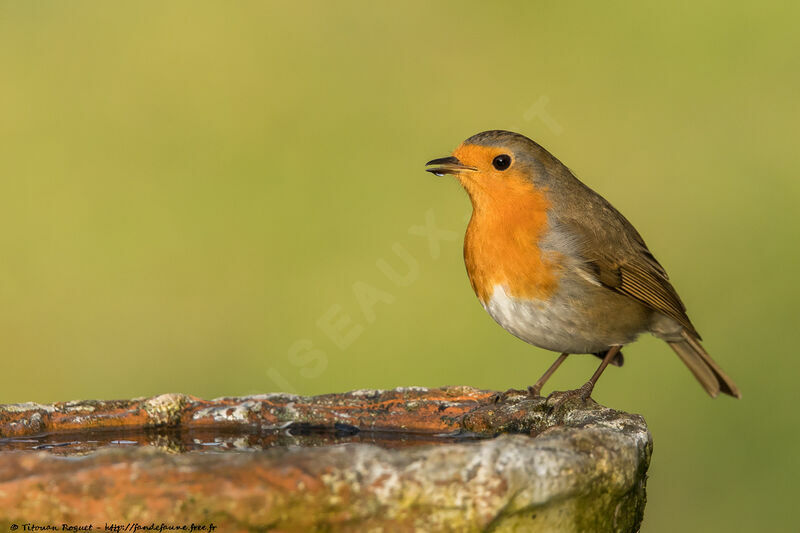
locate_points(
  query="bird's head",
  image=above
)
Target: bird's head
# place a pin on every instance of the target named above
(495, 163)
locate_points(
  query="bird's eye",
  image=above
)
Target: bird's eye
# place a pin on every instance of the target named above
(501, 162)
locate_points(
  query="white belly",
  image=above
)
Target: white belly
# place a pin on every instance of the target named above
(558, 324)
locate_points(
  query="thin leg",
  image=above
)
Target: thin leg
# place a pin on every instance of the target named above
(536, 389)
(587, 389)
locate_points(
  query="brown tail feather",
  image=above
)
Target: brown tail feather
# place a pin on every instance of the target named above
(713, 379)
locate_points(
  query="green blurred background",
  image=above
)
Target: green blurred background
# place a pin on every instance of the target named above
(189, 189)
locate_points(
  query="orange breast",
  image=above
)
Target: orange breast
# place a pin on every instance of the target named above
(501, 246)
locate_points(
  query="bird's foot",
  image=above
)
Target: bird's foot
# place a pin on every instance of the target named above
(534, 391)
(577, 397)
(499, 397)
(586, 391)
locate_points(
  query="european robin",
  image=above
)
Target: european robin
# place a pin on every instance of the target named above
(557, 266)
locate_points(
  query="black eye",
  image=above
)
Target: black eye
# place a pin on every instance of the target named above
(501, 162)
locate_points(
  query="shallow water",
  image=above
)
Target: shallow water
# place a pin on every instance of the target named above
(210, 440)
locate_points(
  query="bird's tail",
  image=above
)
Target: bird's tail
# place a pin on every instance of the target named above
(705, 369)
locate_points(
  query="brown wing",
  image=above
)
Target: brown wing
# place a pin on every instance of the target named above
(618, 255)
(640, 279)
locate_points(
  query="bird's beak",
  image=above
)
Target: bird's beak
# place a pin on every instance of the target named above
(447, 165)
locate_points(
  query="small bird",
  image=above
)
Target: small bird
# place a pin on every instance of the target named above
(557, 266)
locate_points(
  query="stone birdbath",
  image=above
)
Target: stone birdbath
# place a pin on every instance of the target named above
(408, 459)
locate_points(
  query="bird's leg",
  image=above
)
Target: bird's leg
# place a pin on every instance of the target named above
(536, 389)
(586, 390)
